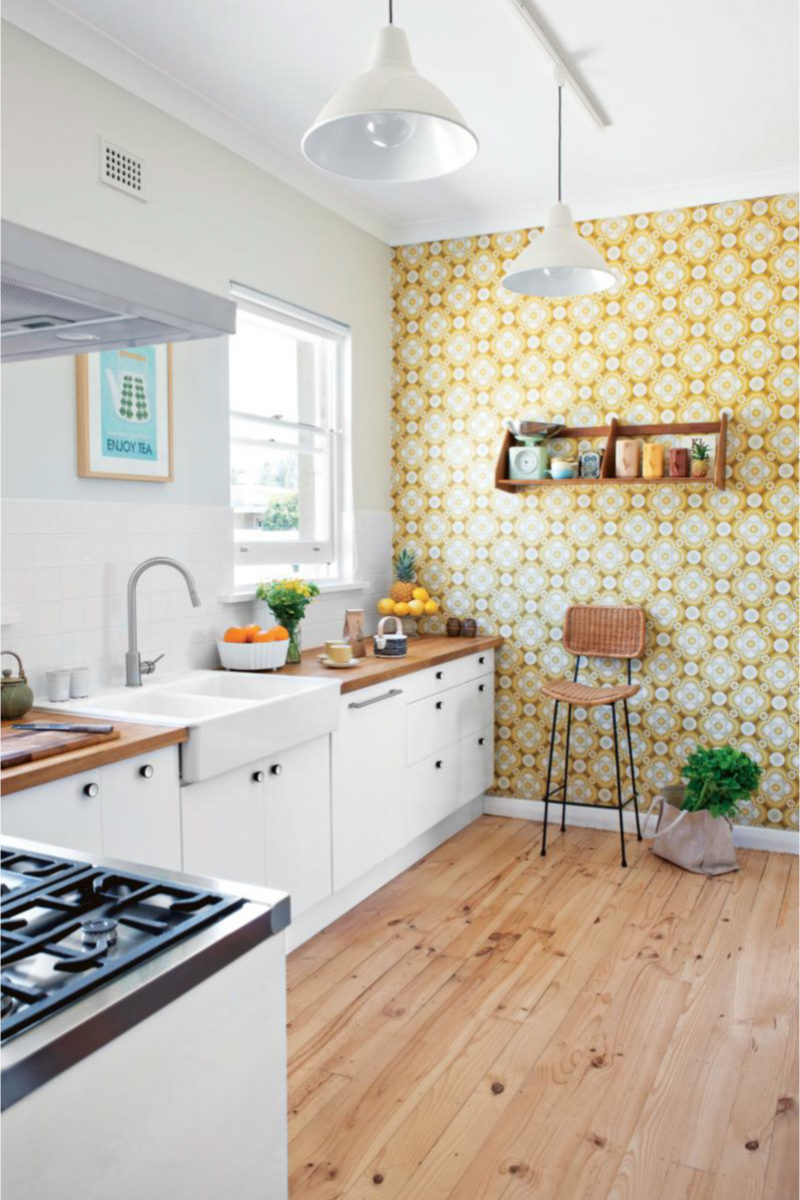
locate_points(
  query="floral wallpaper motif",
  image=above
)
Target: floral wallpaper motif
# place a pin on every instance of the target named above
(704, 318)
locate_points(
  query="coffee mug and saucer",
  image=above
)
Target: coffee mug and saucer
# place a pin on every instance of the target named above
(338, 654)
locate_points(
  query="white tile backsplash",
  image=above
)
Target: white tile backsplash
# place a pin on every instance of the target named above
(66, 567)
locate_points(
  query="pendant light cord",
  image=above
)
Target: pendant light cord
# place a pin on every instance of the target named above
(559, 143)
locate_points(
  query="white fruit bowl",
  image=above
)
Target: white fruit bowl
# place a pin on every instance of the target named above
(253, 656)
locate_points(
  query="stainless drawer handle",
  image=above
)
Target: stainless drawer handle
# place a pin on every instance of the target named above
(440, 703)
(376, 699)
(146, 771)
(91, 789)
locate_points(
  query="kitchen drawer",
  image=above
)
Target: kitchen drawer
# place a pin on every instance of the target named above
(141, 804)
(435, 679)
(66, 813)
(475, 764)
(440, 720)
(432, 790)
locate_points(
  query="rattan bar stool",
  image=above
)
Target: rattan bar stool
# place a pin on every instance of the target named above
(596, 631)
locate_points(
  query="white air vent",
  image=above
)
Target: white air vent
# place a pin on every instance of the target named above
(122, 170)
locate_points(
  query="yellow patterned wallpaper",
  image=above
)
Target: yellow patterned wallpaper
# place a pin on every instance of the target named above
(704, 318)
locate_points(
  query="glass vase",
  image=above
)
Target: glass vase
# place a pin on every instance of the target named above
(293, 654)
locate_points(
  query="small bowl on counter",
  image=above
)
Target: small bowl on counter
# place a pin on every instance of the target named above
(253, 656)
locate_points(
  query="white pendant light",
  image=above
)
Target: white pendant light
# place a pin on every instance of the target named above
(389, 123)
(559, 262)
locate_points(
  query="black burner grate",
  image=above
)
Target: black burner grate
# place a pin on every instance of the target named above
(78, 931)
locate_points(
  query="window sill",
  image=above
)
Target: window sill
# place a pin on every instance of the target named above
(325, 586)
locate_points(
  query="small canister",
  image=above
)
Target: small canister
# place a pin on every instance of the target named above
(469, 627)
(678, 462)
(390, 645)
(628, 458)
(453, 627)
(652, 460)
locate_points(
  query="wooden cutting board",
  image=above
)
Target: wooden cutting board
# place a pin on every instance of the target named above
(18, 747)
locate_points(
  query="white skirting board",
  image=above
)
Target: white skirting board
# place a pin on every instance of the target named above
(333, 907)
(749, 837)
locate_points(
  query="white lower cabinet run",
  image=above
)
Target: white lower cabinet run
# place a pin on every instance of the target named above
(268, 823)
(129, 809)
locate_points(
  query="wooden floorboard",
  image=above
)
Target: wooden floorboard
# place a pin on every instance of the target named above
(493, 1025)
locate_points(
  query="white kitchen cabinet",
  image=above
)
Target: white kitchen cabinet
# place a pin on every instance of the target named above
(368, 777)
(432, 790)
(297, 796)
(224, 827)
(475, 764)
(66, 812)
(141, 808)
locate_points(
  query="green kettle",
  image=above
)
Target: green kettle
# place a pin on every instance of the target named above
(16, 694)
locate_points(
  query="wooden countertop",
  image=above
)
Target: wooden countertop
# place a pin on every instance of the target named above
(428, 650)
(134, 739)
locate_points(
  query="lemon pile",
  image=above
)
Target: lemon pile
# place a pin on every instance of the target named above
(420, 605)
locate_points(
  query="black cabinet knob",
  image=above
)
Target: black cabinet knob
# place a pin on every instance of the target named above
(440, 703)
(91, 789)
(481, 687)
(258, 776)
(482, 660)
(439, 764)
(146, 771)
(440, 674)
(276, 769)
(481, 741)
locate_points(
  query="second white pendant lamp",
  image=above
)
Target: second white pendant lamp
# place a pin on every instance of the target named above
(559, 262)
(389, 123)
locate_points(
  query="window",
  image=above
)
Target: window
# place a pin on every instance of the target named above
(289, 386)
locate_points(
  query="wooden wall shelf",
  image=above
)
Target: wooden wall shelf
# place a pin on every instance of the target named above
(611, 432)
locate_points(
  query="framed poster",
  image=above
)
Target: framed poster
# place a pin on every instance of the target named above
(125, 414)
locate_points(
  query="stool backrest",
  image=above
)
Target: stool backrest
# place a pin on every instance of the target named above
(604, 631)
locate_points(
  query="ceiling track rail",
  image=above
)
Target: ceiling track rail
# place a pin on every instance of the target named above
(527, 15)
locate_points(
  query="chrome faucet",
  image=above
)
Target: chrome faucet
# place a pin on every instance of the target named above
(135, 665)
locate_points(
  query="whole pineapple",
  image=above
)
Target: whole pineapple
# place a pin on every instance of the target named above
(404, 569)
(699, 458)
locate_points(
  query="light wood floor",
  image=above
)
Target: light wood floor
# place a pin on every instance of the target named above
(493, 1024)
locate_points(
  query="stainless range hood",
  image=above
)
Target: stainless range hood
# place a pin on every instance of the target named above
(62, 299)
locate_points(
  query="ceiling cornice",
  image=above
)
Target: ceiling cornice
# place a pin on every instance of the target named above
(85, 44)
(686, 194)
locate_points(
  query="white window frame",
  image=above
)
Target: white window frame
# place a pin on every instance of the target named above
(328, 553)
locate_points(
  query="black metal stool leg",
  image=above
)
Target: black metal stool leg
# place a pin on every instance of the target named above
(633, 770)
(549, 778)
(566, 771)
(619, 784)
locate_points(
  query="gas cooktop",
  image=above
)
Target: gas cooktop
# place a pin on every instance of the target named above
(67, 928)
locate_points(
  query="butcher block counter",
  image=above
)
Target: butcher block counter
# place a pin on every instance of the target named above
(133, 739)
(428, 650)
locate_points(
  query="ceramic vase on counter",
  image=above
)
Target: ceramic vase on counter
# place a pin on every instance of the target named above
(628, 457)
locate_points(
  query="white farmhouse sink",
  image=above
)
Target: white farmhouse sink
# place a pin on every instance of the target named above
(232, 719)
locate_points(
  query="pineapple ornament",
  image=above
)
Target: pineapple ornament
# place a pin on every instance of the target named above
(700, 457)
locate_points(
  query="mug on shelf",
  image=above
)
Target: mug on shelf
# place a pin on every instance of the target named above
(563, 468)
(679, 462)
(628, 457)
(652, 460)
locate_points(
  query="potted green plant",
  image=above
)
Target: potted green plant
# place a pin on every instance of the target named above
(695, 827)
(287, 600)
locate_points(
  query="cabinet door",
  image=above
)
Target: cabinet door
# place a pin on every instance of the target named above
(475, 764)
(298, 822)
(223, 826)
(368, 775)
(432, 790)
(63, 813)
(141, 801)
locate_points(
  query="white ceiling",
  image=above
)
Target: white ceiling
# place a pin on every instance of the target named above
(701, 95)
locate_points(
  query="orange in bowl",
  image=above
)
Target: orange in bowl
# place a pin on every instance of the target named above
(236, 634)
(279, 634)
(252, 631)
